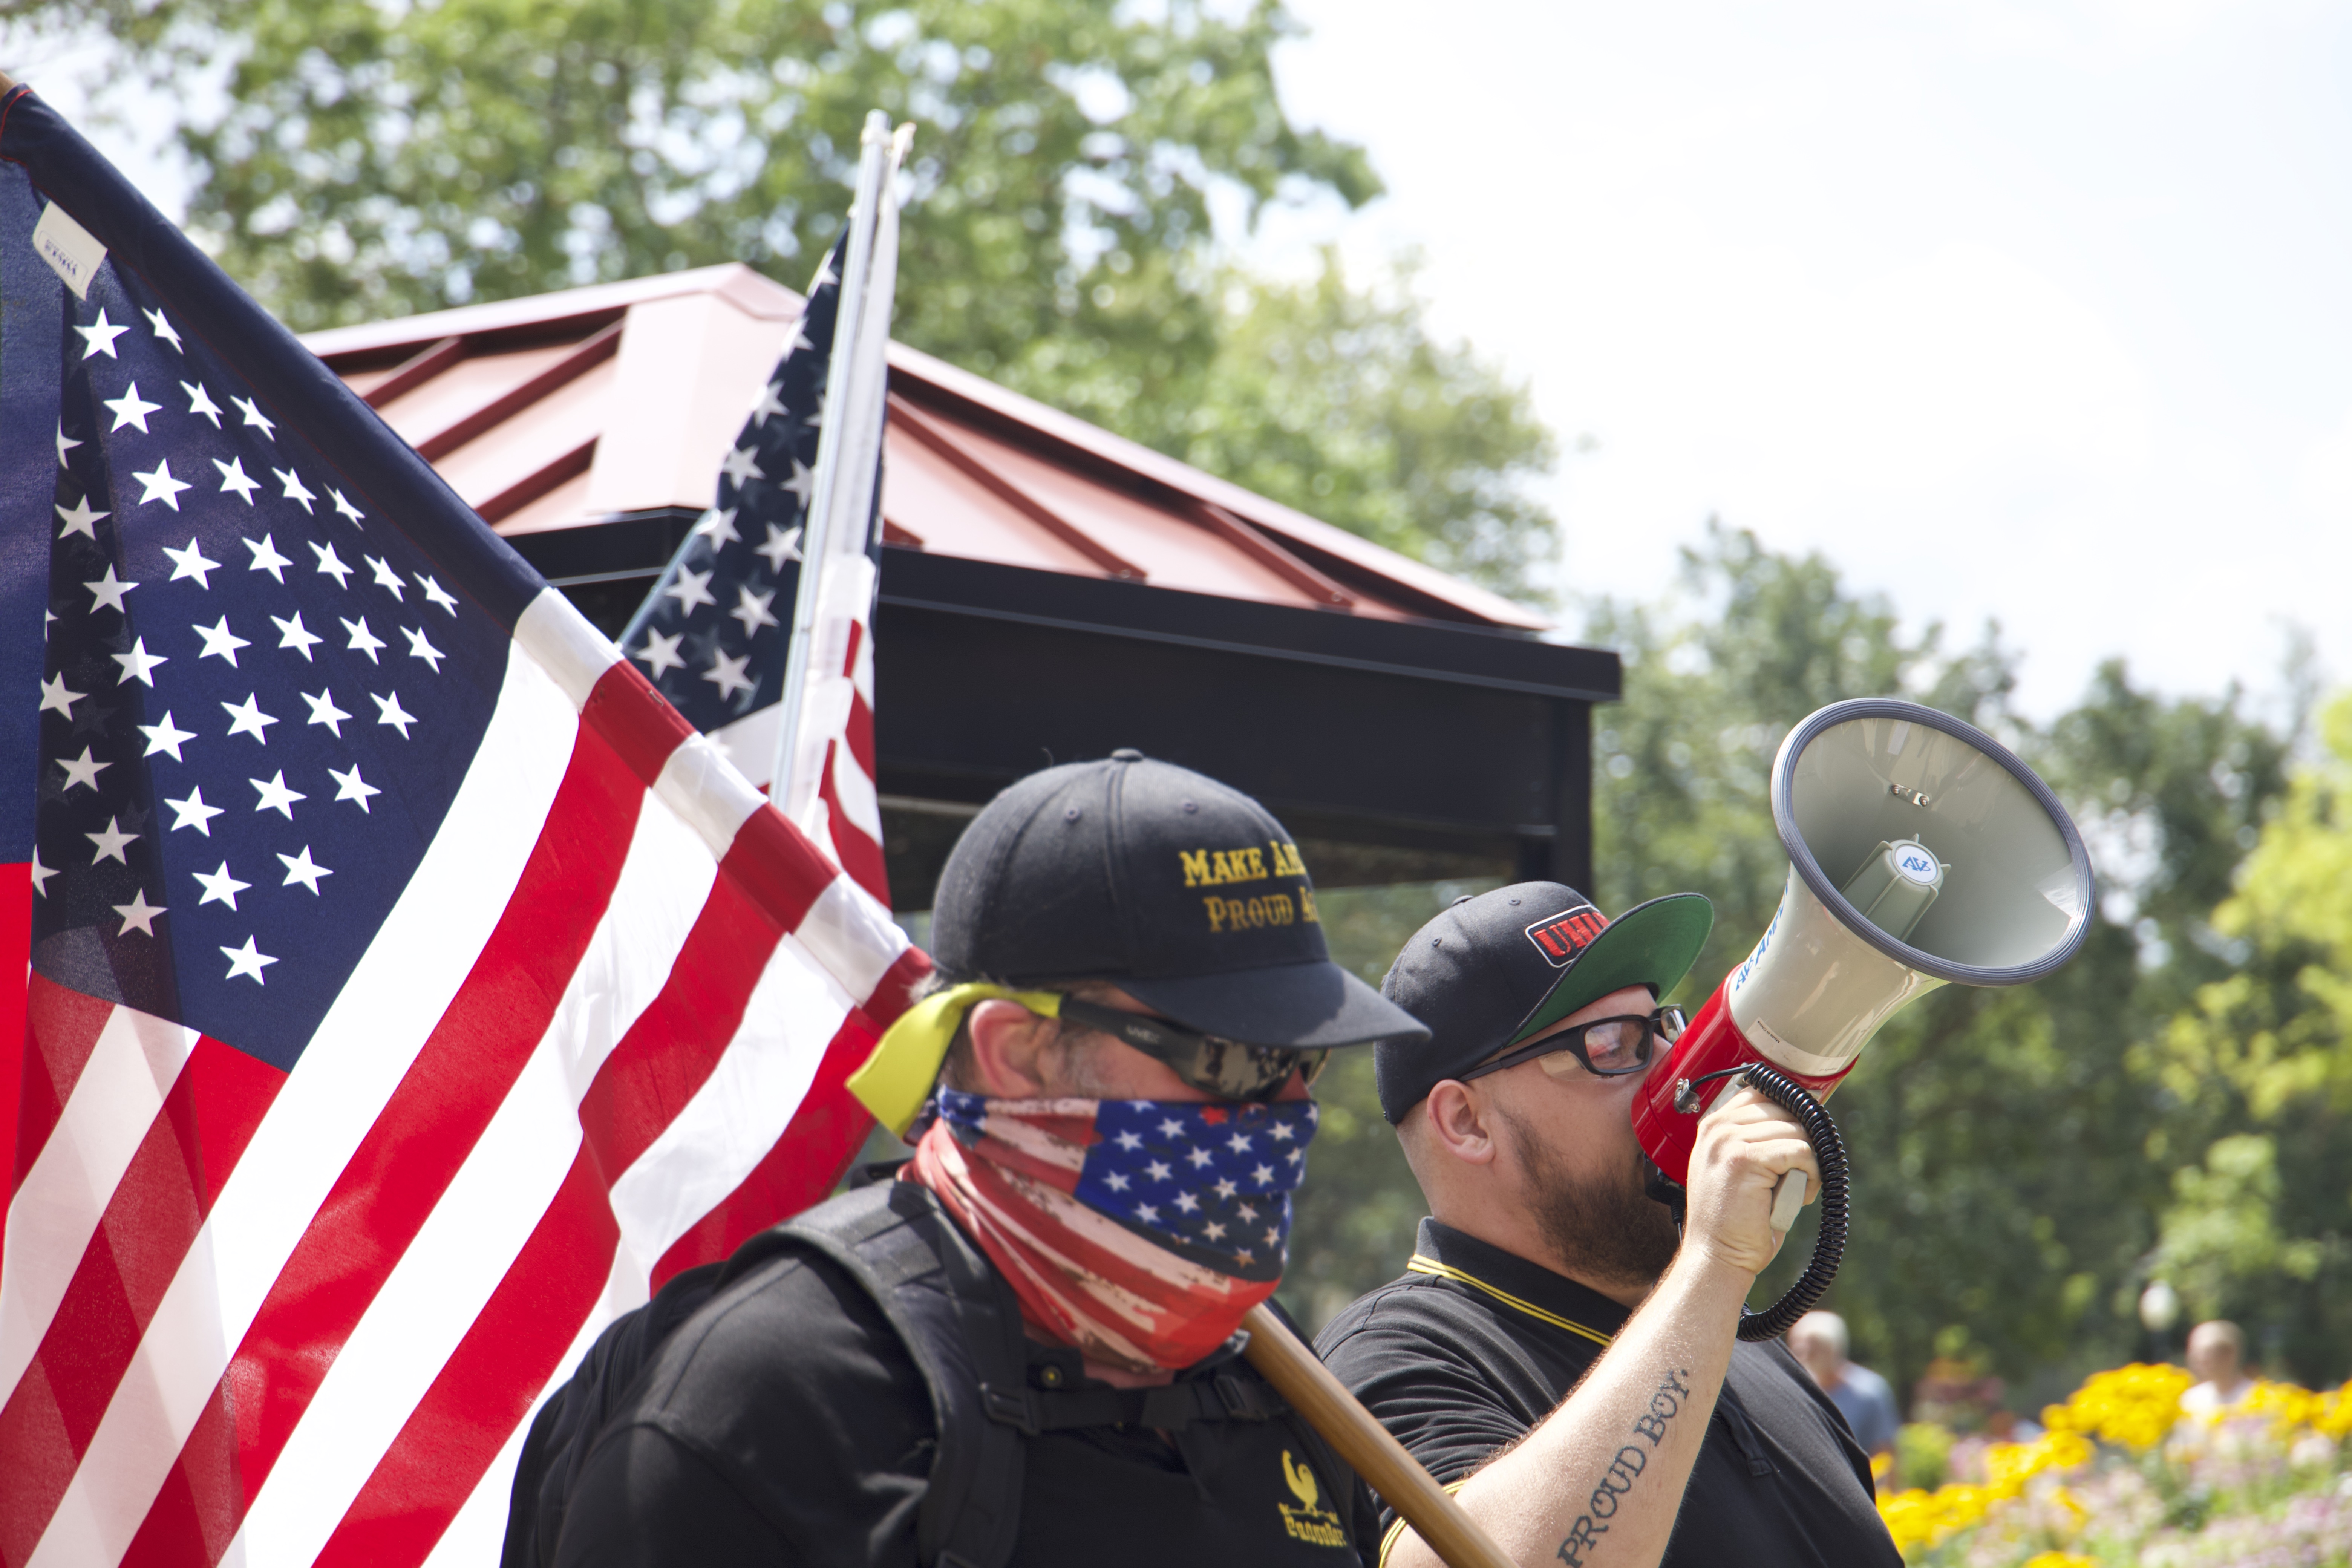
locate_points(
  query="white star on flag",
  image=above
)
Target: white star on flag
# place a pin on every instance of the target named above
(661, 652)
(191, 811)
(220, 888)
(110, 842)
(166, 737)
(163, 331)
(802, 481)
(303, 870)
(131, 409)
(295, 489)
(352, 786)
(783, 545)
(250, 720)
(220, 642)
(106, 594)
(247, 960)
(83, 521)
(390, 712)
(157, 484)
(363, 640)
(138, 914)
(325, 711)
(82, 769)
(98, 338)
(385, 575)
(266, 558)
(740, 466)
(692, 588)
(275, 795)
(292, 634)
(191, 563)
(255, 419)
(726, 674)
(139, 664)
(200, 402)
(331, 564)
(752, 609)
(236, 480)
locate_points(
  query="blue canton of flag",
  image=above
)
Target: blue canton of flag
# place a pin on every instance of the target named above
(711, 635)
(1211, 1182)
(257, 703)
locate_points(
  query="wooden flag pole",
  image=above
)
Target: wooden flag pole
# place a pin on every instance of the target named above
(1364, 1443)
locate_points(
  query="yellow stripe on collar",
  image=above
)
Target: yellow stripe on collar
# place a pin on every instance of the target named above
(1422, 1264)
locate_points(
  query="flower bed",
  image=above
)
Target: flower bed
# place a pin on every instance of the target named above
(2121, 1477)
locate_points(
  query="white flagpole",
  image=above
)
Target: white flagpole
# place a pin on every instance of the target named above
(873, 162)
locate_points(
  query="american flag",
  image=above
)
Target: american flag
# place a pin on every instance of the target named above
(712, 634)
(411, 985)
(1211, 1183)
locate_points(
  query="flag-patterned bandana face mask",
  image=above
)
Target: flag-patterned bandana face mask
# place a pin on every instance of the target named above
(1139, 1230)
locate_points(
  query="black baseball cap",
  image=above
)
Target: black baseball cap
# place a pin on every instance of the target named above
(1184, 893)
(1495, 968)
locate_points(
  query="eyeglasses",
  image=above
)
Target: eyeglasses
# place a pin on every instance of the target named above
(1226, 1068)
(1609, 1047)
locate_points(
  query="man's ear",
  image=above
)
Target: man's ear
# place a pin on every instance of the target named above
(1008, 1047)
(1458, 1123)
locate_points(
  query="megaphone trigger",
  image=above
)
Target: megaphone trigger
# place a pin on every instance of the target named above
(1787, 1199)
(1921, 853)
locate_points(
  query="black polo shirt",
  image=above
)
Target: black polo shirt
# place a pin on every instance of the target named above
(786, 1423)
(1474, 1347)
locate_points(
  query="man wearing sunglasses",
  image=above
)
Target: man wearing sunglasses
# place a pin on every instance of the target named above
(1554, 1354)
(1024, 1346)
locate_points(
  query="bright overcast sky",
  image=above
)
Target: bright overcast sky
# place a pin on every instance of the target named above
(2035, 312)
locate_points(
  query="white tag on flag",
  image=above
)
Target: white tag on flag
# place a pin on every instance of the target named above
(71, 250)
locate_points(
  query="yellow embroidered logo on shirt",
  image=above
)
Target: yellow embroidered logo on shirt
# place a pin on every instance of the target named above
(1315, 1526)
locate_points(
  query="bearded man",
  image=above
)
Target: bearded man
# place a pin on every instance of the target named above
(1024, 1347)
(1554, 1354)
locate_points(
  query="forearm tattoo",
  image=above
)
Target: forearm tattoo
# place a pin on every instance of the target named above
(1666, 1404)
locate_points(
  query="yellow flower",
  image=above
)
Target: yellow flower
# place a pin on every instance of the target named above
(2060, 1560)
(2134, 1405)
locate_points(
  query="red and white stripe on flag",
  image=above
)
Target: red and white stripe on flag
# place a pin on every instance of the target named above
(297, 1318)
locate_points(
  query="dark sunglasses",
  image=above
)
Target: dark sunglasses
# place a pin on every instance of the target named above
(1226, 1068)
(1609, 1047)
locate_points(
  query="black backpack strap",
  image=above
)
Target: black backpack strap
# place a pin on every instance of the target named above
(962, 1325)
(1224, 1397)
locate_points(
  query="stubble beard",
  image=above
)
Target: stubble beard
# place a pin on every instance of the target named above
(1607, 1230)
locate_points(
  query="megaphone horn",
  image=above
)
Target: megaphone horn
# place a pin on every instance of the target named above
(1921, 852)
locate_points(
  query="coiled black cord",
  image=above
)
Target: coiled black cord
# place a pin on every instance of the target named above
(1829, 1153)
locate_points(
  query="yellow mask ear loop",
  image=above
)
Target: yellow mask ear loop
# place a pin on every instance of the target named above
(897, 1078)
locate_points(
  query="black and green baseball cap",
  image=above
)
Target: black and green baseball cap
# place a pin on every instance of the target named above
(1493, 970)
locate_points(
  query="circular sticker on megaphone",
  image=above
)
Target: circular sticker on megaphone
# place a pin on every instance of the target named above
(1915, 862)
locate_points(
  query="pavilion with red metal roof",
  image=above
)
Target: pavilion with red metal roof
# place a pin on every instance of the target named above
(1049, 591)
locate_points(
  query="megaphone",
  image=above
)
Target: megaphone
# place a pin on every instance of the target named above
(1921, 853)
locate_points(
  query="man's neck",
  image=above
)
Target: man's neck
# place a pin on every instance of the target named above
(1513, 1234)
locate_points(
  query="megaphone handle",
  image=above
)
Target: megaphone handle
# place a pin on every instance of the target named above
(1829, 1245)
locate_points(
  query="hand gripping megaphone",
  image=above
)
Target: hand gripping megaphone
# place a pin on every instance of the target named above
(1921, 852)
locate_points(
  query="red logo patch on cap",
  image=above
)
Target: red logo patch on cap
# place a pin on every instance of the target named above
(1563, 936)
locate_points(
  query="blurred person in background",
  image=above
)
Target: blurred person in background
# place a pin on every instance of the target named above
(2217, 1354)
(1819, 1341)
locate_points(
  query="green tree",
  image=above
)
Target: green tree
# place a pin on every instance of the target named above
(382, 159)
(2258, 1229)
